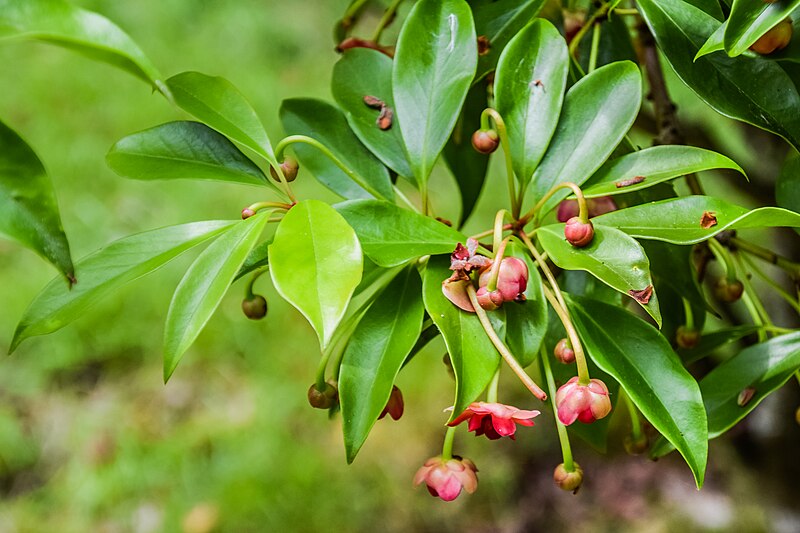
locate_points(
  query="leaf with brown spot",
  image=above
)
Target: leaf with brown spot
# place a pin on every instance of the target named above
(628, 182)
(374, 102)
(643, 295)
(385, 118)
(708, 220)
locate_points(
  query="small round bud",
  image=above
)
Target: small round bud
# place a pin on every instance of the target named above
(727, 290)
(687, 337)
(636, 446)
(563, 352)
(255, 308)
(324, 399)
(570, 481)
(797, 416)
(289, 168)
(775, 39)
(578, 234)
(489, 301)
(247, 213)
(485, 141)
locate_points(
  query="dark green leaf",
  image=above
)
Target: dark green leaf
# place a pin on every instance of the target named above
(107, 269)
(526, 322)
(364, 72)
(714, 43)
(655, 165)
(325, 123)
(750, 20)
(787, 186)
(673, 266)
(597, 113)
(391, 235)
(205, 283)
(678, 220)
(472, 354)
(182, 150)
(374, 355)
(433, 68)
(613, 257)
(315, 262)
(529, 88)
(28, 207)
(652, 375)
(713, 340)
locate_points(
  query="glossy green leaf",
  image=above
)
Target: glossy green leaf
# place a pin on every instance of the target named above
(764, 367)
(365, 72)
(678, 220)
(257, 258)
(498, 21)
(637, 356)
(655, 165)
(472, 354)
(711, 7)
(614, 44)
(750, 20)
(613, 257)
(714, 43)
(28, 206)
(220, 105)
(754, 90)
(315, 262)
(526, 322)
(373, 357)
(673, 265)
(467, 165)
(92, 35)
(434, 65)
(200, 291)
(391, 235)
(182, 150)
(529, 88)
(787, 186)
(597, 113)
(106, 270)
(325, 123)
(712, 341)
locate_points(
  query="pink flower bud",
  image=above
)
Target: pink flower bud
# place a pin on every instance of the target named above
(247, 213)
(512, 280)
(485, 141)
(395, 406)
(289, 168)
(489, 301)
(579, 234)
(563, 352)
(586, 403)
(494, 420)
(446, 479)
(566, 480)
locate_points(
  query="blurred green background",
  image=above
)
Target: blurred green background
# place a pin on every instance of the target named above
(90, 438)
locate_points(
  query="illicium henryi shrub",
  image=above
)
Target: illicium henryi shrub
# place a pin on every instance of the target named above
(553, 91)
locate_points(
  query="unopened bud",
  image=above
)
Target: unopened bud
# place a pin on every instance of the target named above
(727, 290)
(566, 480)
(578, 234)
(255, 308)
(636, 446)
(512, 279)
(324, 399)
(247, 213)
(564, 352)
(395, 406)
(797, 416)
(489, 301)
(289, 168)
(687, 337)
(775, 39)
(485, 141)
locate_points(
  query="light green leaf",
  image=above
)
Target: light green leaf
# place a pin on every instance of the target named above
(106, 270)
(182, 150)
(315, 262)
(205, 283)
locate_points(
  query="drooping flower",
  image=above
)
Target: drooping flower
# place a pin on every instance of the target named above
(586, 403)
(512, 279)
(395, 406)
(494, 420)
(446, 479)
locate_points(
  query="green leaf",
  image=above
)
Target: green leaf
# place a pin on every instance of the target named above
(754, 90)
(673, 266)
(714, 43)
(392, 235)
(677, 220)
(256, 259)
(315, 262)
(529, 88)
(325, 123)
(526, 322)
(474, 358)
(652, 375)
(467, 165)
(434, 65)
(597, 113)
(614, 258)
(220, 105)
(376, 351)
(750, 20)
(655, 165)
(92, 35)
(28, 207)
(106, 270)
(365, 72)
(713, 340)
(711, 7)
(200, 291)
(763, 367)
(498, 21)
(787, 186)
(182, 150)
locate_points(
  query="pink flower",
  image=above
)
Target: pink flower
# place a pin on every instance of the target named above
(586, 403)
(395, 406)
(494, 420)
(446, 478)
(512, 280)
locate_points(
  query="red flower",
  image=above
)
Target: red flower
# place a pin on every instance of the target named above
(446, 479)
(586, 403)
(495, 420)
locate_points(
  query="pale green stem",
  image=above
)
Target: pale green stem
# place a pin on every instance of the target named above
(491, 394)
(583, 211)
(391, 11)
(752, 301)
(595, 47)
(572, 333)
(724, 257)
(576, 41)
(563, 437)
(781, 292)
(767, 255)
(544, 268)
(447, 447)
(502, 133)
(687, 310)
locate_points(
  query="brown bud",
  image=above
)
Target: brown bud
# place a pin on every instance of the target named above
(775, 39)
(570, 481)
(636, 446)
(563, 352)
(289, 168)
(578, 234)
(485, 141)
(247, 213)
(687, 337)
(255, 308)
(727, 290)
(324, 399)
(797, 416)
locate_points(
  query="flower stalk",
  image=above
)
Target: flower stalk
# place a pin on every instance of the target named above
(500, 126)
(563, 437)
